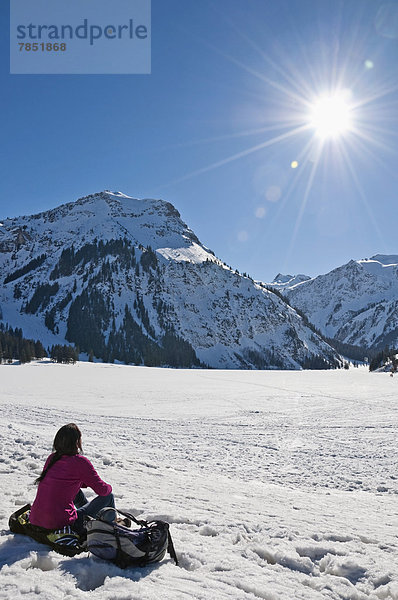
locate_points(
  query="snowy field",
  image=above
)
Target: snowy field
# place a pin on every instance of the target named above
(278, 485)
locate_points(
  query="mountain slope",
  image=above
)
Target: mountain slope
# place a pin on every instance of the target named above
(287, 281)
(128, 280)
(356, 303)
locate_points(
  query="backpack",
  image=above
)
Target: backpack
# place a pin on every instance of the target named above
(65, 541)
(127, 547)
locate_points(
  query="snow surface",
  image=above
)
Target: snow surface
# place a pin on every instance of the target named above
(278, 485)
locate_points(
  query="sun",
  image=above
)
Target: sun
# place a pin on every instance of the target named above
(331, 116)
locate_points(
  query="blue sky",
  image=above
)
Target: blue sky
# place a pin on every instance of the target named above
(214, 130)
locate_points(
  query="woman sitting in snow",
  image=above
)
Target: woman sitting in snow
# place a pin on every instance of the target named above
(59, 499)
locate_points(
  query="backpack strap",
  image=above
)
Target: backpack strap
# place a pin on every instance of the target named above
(120, 559)
(132, 517)
(171, 549)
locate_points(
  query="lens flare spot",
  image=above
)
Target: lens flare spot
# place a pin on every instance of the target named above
(260, 212)
(243, 236)
(273, 193)
(294, 164)
(369, 64)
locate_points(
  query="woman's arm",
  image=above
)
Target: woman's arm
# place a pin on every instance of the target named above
(90, 478)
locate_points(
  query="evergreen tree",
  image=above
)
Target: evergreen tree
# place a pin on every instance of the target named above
(64, 354)
(13, 346)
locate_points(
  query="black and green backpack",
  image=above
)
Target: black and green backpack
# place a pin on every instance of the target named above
(64, 541)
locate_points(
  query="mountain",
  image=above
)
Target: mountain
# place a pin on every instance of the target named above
(356, 303)
(127, 280)
(281, 282)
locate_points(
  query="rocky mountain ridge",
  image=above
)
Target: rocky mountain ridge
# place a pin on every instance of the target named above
(356, 303)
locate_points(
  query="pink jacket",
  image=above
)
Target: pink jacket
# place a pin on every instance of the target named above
(53, 507)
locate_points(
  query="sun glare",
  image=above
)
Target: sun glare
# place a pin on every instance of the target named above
(330, 116)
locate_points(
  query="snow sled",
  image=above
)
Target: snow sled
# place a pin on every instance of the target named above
(125, 547)
(65, 541)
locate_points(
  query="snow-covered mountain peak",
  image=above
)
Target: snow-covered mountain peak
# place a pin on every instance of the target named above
(355, 303)
(108, 215)
(281, 281)
(386, 259)
(282, 278)
(116, 194)
(381, 265)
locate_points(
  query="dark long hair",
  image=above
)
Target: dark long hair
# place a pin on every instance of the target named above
(67, 441)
